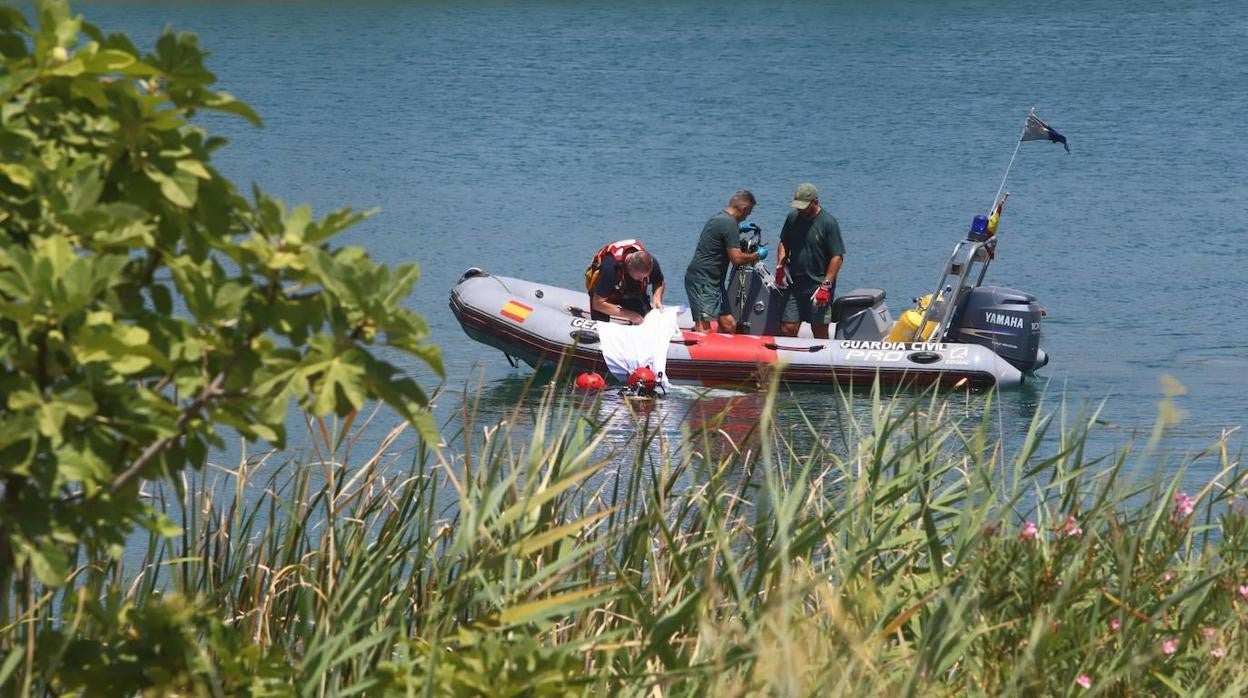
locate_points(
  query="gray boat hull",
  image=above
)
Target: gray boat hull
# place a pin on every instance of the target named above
(544, 325)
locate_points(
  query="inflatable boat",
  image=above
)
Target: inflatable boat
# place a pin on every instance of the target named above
(972, 336)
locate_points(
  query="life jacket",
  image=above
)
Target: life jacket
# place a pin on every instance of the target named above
(618, 250)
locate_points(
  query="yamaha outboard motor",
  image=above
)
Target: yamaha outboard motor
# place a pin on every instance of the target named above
(961, 310)
(1004, 320)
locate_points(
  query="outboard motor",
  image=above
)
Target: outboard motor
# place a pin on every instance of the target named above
(1004, 320)
(758, 306)
(754, 300)
(961, 310)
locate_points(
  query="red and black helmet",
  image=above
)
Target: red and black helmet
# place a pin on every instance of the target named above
(644, 378)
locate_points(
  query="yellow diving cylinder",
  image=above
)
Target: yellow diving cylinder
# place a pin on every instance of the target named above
(903, 329)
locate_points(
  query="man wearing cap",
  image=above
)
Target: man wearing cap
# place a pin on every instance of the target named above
(719, 245)
(810, 255)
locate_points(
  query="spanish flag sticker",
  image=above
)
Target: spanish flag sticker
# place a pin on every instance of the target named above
(515, 310)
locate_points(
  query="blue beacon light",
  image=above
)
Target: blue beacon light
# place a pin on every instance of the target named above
(979, 229)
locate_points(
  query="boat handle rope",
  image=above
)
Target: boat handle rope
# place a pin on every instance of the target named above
(780, 347)
(500, 283)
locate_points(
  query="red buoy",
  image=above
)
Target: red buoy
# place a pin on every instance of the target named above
(590, 381)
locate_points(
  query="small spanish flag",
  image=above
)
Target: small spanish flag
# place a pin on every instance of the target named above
(515, 310)
(995, 218)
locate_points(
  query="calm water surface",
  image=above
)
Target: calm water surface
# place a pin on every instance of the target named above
(519, 137)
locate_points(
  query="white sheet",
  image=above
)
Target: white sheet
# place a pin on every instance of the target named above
(628, 347)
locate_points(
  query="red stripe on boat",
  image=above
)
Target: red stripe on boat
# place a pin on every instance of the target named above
(743, 348)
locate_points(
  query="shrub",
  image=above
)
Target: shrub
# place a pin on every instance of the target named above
(146, 307)
(545, 555)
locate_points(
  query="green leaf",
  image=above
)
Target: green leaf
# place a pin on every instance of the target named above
(90, 89)
(50, 562)
(339, 374)
(533, 543)
(125, 348)
(229, 300)
(18, 174)
(14, 657)
(555, 606)
(109, 60)
(166, 120)
(223, 102)
(425, 426)
(138, 69)
(180, 188)
(16, 429)
(195, 168)
(684, 615)
(82, 466)
(403, 394)
(1175, 687)
(524, 507)
(131, 235)
(12, 20)
(196, 452)
(68, 69)
(295, 225)
(84, 190)
(163, 526)
(78, 402)
(20, 400)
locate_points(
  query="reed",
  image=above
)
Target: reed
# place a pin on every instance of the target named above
(897, 549)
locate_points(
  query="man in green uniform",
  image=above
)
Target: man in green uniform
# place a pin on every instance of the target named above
(719, 245)
(810, 255)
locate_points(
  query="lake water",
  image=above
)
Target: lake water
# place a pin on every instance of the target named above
(520, 136)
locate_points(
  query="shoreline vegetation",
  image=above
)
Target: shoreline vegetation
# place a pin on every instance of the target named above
(922, 559)
(148, 308)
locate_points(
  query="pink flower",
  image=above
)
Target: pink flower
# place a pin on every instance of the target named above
(1208, 633)
(1115, 624)
(1084, 681)
(1169, 646)
(1028, 532)
(1183, 508)
(1070, 528)
(1218, 651)
(1167, 576)
(1243, 590)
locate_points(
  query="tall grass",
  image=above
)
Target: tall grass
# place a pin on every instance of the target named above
(908, 553)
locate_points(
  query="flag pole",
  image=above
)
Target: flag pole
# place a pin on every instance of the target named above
(1011, 164)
